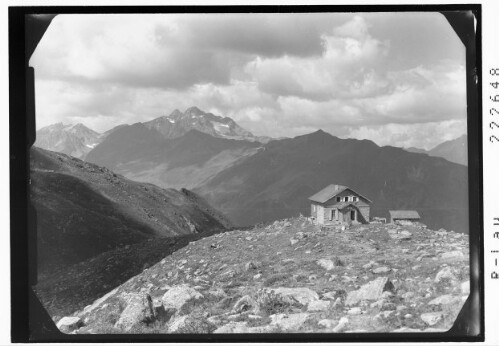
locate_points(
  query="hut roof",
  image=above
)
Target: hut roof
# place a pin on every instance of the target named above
(330, 191)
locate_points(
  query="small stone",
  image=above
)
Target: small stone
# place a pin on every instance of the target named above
(326, 264)
(257, 276)
(293, 241)
(355, 311)
(407, 316)
(381, 270)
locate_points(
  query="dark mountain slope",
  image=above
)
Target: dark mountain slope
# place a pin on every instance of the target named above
(143, 154)
(276, 182)
(83, 210)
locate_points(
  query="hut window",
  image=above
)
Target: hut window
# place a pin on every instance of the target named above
(333, 214)
(355, 199)
(338, 199)
(346, 199)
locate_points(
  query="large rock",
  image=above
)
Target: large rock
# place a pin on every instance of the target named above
(139, 309)
(370, 291)
(178, 296)
(302, 295)
(68, 324)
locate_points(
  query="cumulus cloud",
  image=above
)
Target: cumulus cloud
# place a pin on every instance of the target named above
(275, 74)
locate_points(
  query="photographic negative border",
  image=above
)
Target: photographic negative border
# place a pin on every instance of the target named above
(30, 322)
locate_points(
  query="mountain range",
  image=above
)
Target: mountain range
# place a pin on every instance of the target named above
(455, 150)
(255, 181)
(78, 140)
(75, 140)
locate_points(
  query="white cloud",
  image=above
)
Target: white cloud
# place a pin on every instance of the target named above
(277, 75)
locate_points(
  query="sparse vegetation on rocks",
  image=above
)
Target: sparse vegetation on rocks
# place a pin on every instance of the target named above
(360, 279)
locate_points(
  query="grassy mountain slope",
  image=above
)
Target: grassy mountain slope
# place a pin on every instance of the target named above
(276, 182)
(143, 154)
(84, 210)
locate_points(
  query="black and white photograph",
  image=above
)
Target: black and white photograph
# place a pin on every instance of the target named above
(251, 172)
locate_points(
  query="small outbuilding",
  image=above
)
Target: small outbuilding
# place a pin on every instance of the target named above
(338, 204)
(403, 216)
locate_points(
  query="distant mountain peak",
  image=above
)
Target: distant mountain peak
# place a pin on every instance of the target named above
(72, 139)
(178, 124)
(194, 110)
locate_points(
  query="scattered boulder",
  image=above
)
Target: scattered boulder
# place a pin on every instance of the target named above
(68, 324)
(432, 318)
(289, 323)
(445, 299)
(445, 274)
(139, 309)
(326, 264)
(404, 235)
(342, 324)
(245, 304)
(452, 254)
(318, 305)
(326, 323)
(302, 295)
(465, 287)
(381, 270)
(370, 291)
(251, 266)
(178, 296)
(232, 327)
(355, 311)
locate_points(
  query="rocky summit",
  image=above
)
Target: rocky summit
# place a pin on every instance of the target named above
(293, 276)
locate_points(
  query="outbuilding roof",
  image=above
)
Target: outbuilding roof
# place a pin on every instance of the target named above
(404, 214)
(330, 191)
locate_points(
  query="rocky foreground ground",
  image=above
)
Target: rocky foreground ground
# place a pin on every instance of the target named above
(293, 276)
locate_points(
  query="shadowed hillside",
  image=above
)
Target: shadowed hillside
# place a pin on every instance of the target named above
(143, 154)
(84, 210)
(276, 182)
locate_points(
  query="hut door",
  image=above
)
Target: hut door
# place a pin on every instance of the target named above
(352, 215)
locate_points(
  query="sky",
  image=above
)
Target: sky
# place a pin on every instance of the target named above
(394, 78)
